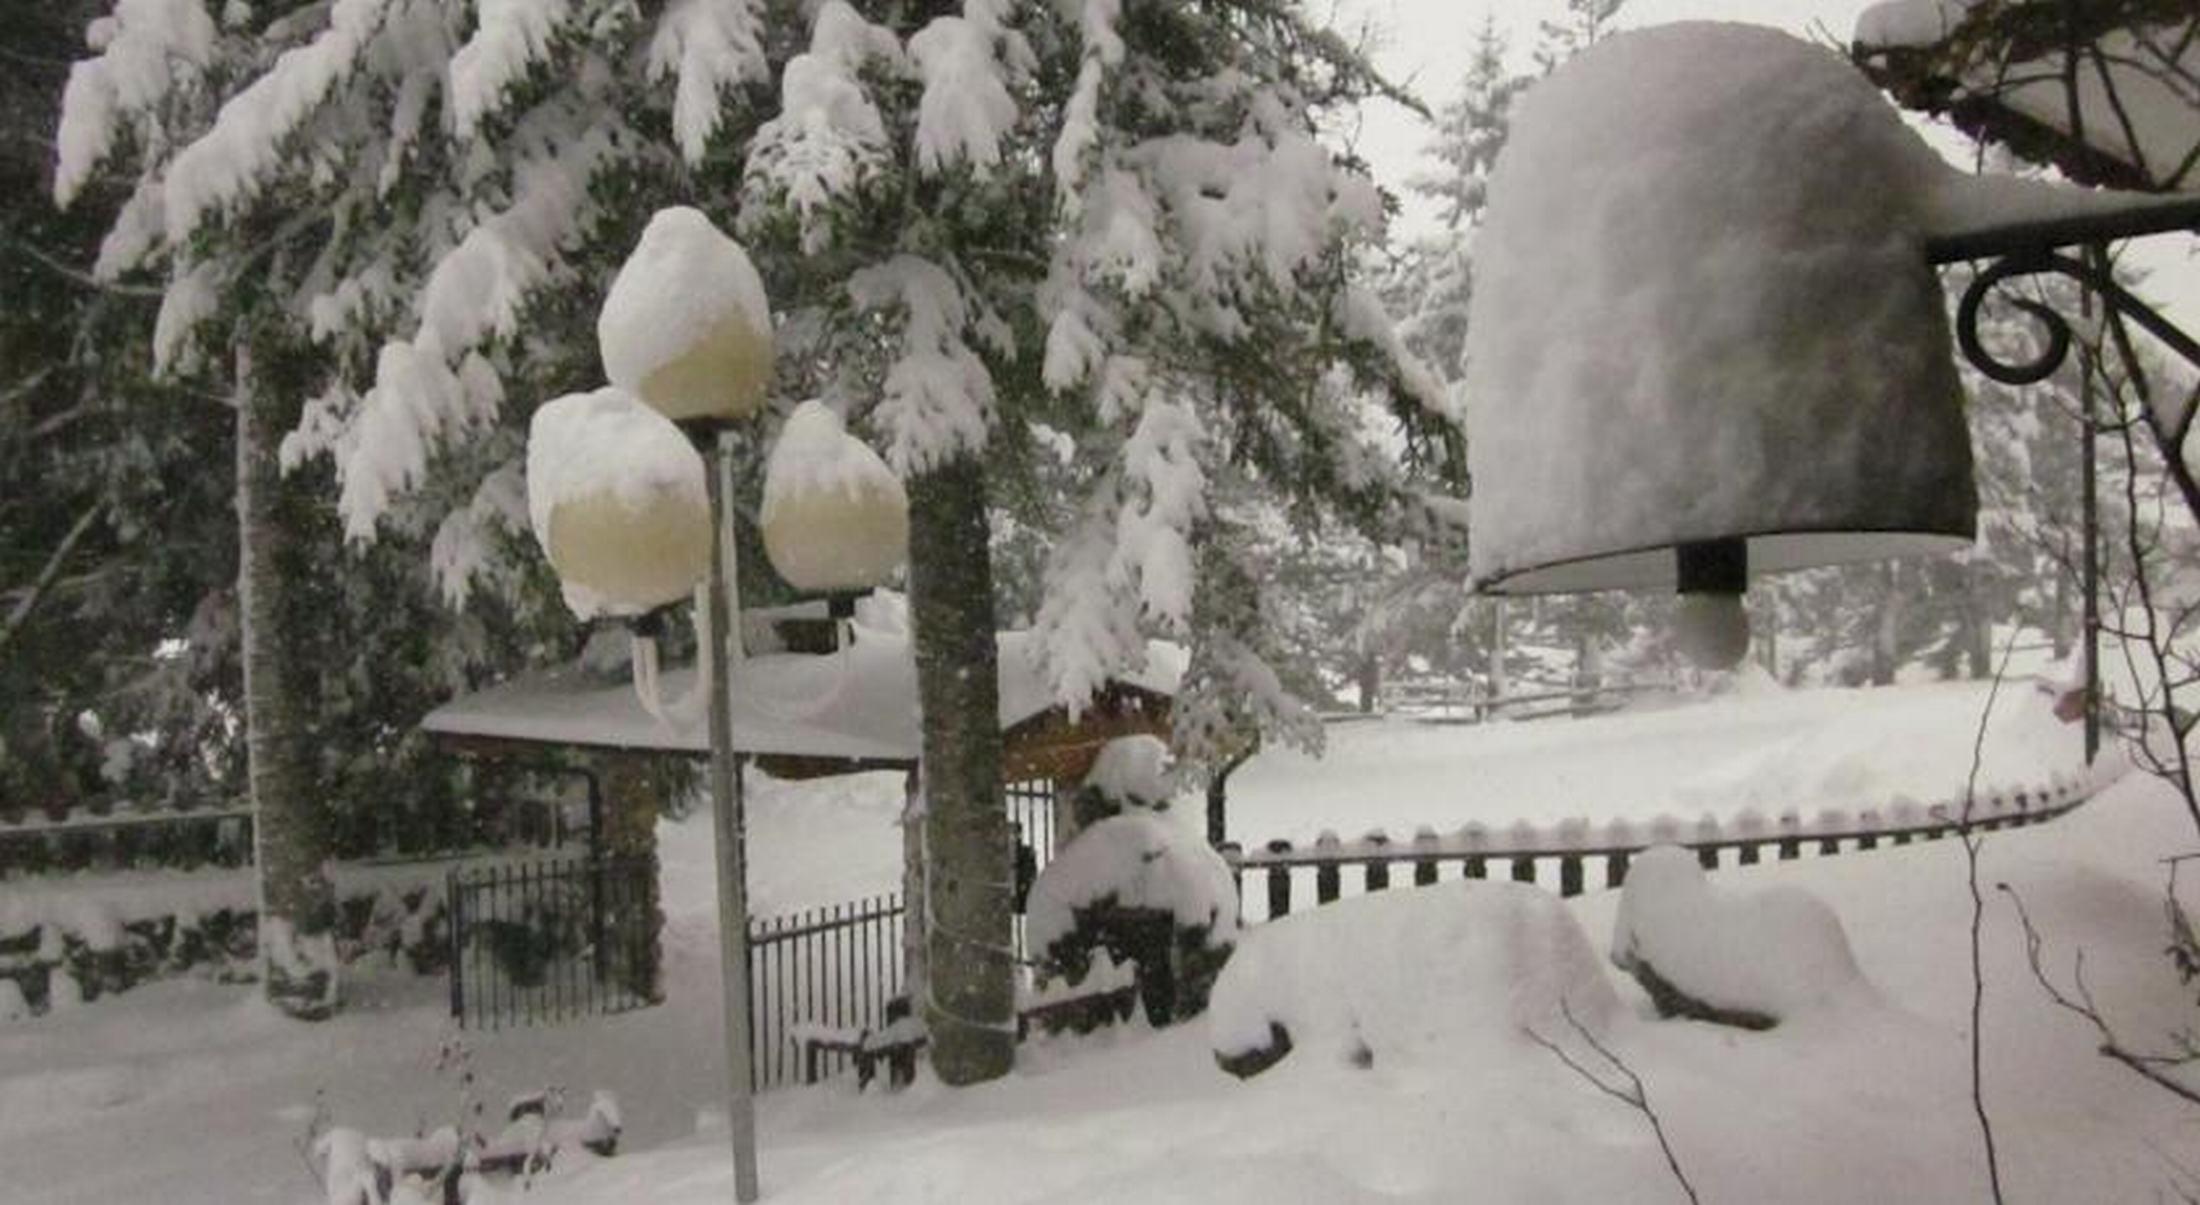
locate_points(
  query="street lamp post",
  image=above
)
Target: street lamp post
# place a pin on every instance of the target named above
(728, 824)
(687, 329)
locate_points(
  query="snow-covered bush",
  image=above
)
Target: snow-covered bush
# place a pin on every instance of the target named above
(1752, 959)
(1143, 889)
(1409, 977)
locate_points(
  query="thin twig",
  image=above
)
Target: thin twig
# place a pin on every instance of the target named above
(1972, 840)
(2154, 1068)
(21, 613)
(1634, 1094)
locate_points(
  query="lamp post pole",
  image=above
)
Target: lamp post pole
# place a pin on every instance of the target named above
(726, 815)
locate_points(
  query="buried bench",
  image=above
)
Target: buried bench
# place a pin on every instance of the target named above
(896, 1043)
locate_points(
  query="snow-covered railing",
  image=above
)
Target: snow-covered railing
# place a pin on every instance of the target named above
(1529, 853)
(180, 839)
(1459, 704)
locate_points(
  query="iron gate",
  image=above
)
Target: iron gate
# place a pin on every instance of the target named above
(542, 941)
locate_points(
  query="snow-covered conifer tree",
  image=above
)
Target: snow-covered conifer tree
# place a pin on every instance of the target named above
(1103, 233)
(1435, 280)
(378, 220)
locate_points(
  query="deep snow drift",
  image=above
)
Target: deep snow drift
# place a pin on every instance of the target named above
(193, 1092)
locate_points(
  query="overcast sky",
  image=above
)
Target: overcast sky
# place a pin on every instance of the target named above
(1425, 44)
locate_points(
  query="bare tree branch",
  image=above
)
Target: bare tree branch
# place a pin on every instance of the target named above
(1972, 840)
(1630, 1093)
(2154, 1068)
(21, 613)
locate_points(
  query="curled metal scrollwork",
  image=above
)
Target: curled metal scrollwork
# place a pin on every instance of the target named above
(1968, 312)
(2053, 324)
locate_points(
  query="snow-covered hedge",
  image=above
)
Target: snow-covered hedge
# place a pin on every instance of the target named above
(1752, 959)
(68, 941)
(1143, 889)
(1409, 978)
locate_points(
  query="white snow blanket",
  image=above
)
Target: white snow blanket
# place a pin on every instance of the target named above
(1426, 976)
(1778, 953)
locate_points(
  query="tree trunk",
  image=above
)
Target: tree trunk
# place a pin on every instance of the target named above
(297, 902)
(2059, 627)
(969, 1004)
(1978, 625)
(1886, 629)
(1500, 680)
(1368, 677)
(634, 786)
(912, 888)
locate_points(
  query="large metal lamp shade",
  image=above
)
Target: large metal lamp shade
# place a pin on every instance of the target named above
(616, 496)
(1705, 341)
(835, 519)
(686, 327)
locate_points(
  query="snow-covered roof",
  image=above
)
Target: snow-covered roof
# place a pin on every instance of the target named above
(858, 704)
(2136, 101)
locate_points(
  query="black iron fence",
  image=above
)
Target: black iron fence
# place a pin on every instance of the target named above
(1276, 877)
(820, 973)
(821, 977)
(1031, 810)
(543, 941)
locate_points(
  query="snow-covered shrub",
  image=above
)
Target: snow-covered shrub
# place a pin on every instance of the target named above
(1752, 959)
(1410, 977)
(1145, 890)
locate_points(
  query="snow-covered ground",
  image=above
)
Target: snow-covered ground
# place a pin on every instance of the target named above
(1763, 749)
(1862, 1102)
(189, 1091)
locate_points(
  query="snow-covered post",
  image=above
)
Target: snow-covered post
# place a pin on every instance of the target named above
(687, 328)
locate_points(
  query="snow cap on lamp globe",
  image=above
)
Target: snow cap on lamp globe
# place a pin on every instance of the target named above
(1703, 314)
(616, 497)
(834, 518)
(686, 327)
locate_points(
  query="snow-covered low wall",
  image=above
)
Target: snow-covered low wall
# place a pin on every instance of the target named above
(1560, 855)
(64, 941)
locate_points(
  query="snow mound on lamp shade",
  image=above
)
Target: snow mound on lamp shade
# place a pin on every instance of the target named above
(686, 312)
(1144, 862)
(1429, 975)
(834, 516)
(1702, 307)
(1779, 953)
(605, 452)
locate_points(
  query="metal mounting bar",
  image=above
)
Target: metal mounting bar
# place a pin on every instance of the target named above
(2153, 215)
